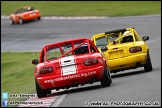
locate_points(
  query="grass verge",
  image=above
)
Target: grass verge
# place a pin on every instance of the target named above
(86, 8)
(17, 73)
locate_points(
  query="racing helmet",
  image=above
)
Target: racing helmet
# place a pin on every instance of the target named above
(127, 33)
(127, 37)
(82, 49)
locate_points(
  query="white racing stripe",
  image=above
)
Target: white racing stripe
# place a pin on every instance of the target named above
(68, 65)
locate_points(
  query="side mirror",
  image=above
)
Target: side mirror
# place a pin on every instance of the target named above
(35, 61)
(145, 38)
(104, 48)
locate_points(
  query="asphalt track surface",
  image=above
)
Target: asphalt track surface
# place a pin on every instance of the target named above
(142, 88)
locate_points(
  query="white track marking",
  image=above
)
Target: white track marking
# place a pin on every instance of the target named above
(43, 102)
(58, 101)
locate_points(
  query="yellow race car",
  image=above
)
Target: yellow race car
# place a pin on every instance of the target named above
(124, 49)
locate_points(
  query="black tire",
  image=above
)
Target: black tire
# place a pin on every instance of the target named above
(40, 92)
(148, 65)
(39, 18)
(106, 80)
(11, 21)
(21, 21)
(48, 91)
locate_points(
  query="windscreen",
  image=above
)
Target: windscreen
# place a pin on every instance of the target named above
(102, 41)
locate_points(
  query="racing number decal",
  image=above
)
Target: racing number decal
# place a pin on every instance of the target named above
(68, 65)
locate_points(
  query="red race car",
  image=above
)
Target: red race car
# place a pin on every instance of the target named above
(69, 64)
(26, 13)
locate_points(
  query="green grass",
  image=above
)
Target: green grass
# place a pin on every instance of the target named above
(86, 8)
(17, 73)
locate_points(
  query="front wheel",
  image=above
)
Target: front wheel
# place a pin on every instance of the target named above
(106, 80)
(148, 65)
(11, 21)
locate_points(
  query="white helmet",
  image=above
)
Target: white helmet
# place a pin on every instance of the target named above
(29, 8)
(127, 33)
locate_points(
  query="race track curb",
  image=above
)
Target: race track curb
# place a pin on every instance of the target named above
(72, 17)
(40, 102)
(84, 17)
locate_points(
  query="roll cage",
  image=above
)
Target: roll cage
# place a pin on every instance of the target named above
(24, 9)
(67, 48)
(117, 36)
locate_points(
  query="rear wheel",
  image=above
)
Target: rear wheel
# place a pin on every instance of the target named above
(48, 91)
(148, 65)
(106, 80)
(40, 92)
(38, 18)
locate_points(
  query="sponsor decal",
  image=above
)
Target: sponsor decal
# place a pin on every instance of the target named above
(49, 81)
(62, 78)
